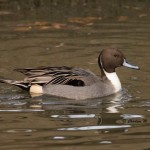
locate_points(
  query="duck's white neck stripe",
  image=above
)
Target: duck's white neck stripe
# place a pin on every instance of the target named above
(113, 78)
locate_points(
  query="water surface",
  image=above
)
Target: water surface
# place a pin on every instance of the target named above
(28, 39)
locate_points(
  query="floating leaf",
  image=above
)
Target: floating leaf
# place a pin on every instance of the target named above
(58, 25)
(45, 27)
(23, 28)
(122, 18)
(136, 8)
(84, 21)
(40, 23)
(142, 15)
(3, 13)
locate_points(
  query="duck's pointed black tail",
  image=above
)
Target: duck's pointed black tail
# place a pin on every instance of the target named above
(21, 84)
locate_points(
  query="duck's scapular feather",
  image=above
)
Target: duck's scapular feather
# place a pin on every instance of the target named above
(58, 75)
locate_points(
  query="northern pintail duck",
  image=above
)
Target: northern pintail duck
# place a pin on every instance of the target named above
(74, 82)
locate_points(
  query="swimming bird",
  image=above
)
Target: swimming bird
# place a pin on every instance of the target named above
(75, 82)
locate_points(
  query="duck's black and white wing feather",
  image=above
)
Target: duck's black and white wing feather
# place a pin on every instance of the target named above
(58, 75)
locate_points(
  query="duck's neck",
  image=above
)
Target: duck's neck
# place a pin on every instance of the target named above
(113, 78)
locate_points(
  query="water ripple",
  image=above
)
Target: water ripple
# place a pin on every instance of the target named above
(95, 127)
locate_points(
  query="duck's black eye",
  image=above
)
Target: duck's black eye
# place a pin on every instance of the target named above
(115, 55)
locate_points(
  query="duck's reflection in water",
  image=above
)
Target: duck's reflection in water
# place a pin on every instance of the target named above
(101, 111)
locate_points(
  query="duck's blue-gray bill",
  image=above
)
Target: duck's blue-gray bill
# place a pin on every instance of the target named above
(126, 64)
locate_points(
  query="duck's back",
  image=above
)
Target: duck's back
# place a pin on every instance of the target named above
(59, 75)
